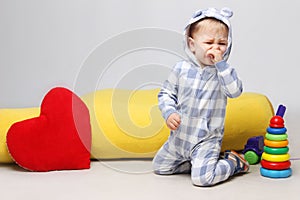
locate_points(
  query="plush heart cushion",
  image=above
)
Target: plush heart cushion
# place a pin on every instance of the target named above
(58, 139)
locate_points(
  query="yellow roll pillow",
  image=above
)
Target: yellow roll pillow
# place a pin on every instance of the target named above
(128, 123)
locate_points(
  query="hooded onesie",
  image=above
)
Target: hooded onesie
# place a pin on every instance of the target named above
(199, 95)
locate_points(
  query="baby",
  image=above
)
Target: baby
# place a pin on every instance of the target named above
(193, 102)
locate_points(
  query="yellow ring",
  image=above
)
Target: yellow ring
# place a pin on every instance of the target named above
(275, 158)
(276, 144)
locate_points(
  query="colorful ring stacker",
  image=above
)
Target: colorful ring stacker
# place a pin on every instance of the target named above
(276, 173)
(276, 137)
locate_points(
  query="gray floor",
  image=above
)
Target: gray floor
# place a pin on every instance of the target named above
(124, 179)
(131, 180)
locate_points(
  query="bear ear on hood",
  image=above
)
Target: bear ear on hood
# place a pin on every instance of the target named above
(197, 14)
(226, 12)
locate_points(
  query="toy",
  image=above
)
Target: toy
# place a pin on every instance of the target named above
(275, 165)
(276, 130)
(253, 149)
(276, 144)
(276, 137)
(275, 158)
(58, 139)
(276, 173)
(270, 150)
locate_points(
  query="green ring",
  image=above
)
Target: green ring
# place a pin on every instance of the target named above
(274, 137)
(276, 151)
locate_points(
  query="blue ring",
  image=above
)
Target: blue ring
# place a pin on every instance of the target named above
(276, 130)
(275, 173)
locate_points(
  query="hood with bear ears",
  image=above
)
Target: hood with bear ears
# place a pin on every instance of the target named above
(223, 15)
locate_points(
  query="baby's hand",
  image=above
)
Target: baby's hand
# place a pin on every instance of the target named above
(173, 121)
(215, 55)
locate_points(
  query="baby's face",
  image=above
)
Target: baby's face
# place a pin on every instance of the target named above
(209, 45)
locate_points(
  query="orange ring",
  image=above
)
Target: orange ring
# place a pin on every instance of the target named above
(276, 144)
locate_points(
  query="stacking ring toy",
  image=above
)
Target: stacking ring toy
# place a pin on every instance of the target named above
(276, 130)
(275, 165)
(276, 137)
(275, 158)
(276, 144)
(276, 151)
(275, 173)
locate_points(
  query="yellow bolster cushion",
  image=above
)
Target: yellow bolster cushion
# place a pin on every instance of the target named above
(128, 123)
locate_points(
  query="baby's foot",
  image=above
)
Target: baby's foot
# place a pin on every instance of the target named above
(241, 165)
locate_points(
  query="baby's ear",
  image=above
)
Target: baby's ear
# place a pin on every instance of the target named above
(226, 12)
(191, 44)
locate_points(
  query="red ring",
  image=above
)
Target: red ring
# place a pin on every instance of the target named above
(275, 165)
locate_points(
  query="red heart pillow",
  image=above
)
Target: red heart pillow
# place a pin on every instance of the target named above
(59, 139)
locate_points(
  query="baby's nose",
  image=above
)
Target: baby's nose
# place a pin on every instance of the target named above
(216, 46)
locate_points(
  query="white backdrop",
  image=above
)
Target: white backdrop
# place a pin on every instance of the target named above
(93, 44)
